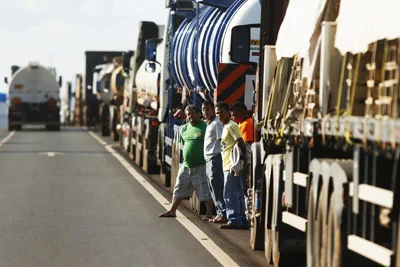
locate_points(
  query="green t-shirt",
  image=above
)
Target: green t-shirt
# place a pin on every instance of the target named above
(192, 136)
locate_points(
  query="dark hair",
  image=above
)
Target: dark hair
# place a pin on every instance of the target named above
(209, 103)
(193, 108)
(222, 105)
(239, 106)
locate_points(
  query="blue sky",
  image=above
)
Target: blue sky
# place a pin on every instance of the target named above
(58, 32)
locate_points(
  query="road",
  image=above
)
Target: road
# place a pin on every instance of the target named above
(65, 200)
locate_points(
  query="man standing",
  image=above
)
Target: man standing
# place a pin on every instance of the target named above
(233, 185)
(193, 170)
(212, 155)
(240, 115)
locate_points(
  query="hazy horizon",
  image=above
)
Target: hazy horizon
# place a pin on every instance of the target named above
(57, 33)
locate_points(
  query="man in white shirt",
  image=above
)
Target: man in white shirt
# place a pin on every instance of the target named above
(212, 155)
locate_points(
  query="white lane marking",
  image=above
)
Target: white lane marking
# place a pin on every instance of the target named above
(204, 240)
(5, 139)
(97, 138)
(50, 154)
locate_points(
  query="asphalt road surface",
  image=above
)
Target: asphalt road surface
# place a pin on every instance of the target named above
(65, 200)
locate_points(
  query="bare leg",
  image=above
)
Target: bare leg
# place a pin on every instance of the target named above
(209, 205)
(172, 211)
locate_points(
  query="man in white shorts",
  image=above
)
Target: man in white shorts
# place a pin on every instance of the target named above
(192, 174)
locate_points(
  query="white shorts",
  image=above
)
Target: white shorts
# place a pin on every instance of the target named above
(192, 178)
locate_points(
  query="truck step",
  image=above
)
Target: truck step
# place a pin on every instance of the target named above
(298, 178)
(295, 221)
(372, 194)
(369, 250)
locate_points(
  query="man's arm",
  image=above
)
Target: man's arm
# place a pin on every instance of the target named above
(240, 142)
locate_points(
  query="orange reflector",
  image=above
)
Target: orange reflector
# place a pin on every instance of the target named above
(154, 123)
(16, 101)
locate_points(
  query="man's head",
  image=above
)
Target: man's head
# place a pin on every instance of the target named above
(208, 110)
(222, 112)
(238, 112)
(192, 114)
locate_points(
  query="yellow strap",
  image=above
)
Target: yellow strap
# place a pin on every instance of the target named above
(340, 89)
(347, 134)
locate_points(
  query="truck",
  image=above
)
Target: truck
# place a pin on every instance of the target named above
(34, 97)
(108, 82)
(86, 101)
(186, 63)
(325, 167)
(154, 90)
(66, 100)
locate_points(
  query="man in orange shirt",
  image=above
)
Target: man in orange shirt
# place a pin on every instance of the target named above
(240, 115)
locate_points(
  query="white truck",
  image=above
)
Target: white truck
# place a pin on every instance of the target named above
(34, 97)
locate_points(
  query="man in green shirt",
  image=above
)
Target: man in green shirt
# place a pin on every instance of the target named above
(192, 173)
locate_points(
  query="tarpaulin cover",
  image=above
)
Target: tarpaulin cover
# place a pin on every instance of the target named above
(362, 22)
(297, 27)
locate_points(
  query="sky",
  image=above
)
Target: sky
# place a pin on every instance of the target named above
(58, 32)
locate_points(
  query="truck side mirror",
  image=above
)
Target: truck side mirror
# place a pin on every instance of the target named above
(126, 60)
(151, 50)
(245, 44)
(5, 80)
(60, 81)
(150, 67)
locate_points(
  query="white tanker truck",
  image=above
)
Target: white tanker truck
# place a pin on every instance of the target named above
(34, 98)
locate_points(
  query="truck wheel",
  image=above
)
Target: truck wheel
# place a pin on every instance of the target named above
(139, 150)
(18, 127)
(269, 192)
(198, 206)
(145, 155)
(125, 142)
(268, 245)
(257, 222)
(132, 149)
(276, 254)
(114, 136)
(104, 130)
(334, 239)
(320, 242)
(310, 228)
(398, 244)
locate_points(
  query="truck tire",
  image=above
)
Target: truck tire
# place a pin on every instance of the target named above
(149, 163)
(310, 228)
(198, 206)
(104, 131)
(138, 151)
(257, 222)
(268, 175)
(132, 147)
(113, 125)
(276, 254)
(18, 127)
(334, 236)
(320, 229)
(257, 231)
(398, 244)
(268, 245)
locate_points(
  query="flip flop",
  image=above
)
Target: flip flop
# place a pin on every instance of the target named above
(167, 215)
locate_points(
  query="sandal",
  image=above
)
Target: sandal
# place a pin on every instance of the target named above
(167, 215)
(207, 219)
(220, 219)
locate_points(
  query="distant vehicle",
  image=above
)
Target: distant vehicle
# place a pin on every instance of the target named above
(34, 97)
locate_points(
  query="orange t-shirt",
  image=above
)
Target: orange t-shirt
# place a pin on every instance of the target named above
(246, 128)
